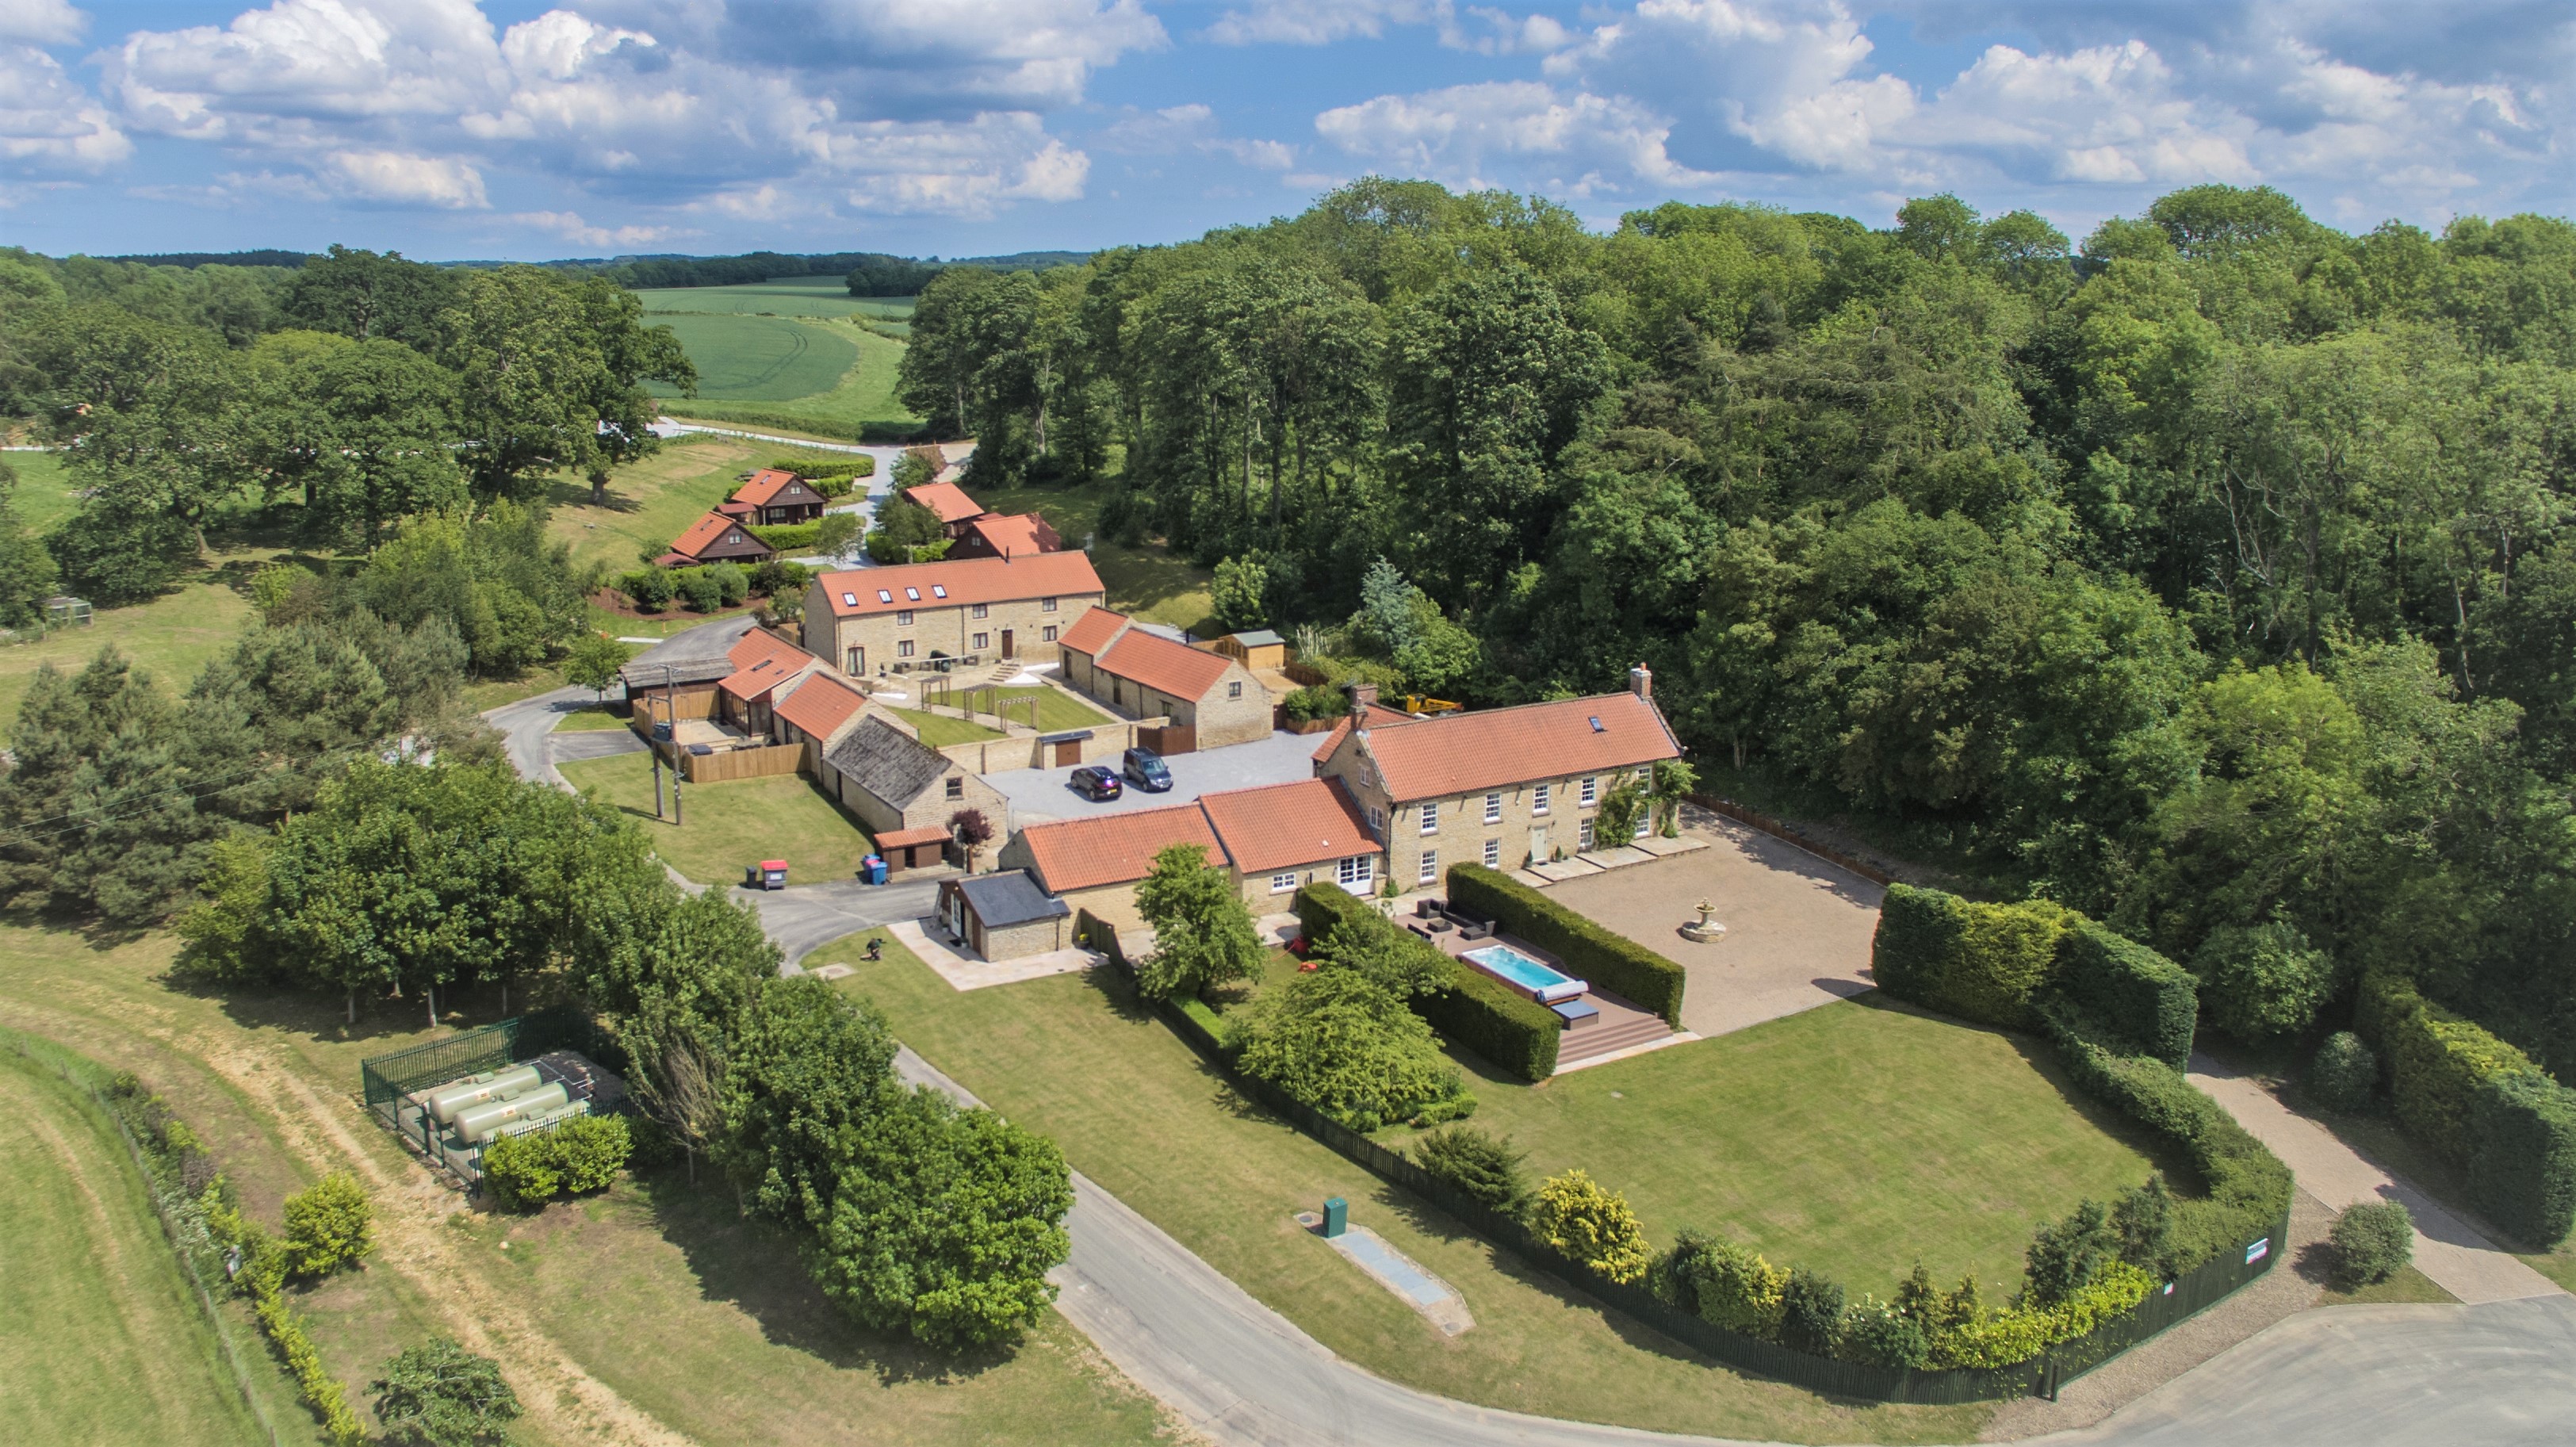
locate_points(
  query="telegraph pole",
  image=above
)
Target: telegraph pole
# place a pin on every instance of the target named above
(672, 692)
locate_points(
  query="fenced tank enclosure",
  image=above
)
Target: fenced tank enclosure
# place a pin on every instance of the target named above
(449, 1099)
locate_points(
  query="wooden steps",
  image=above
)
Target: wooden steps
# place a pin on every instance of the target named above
(1620, 1026)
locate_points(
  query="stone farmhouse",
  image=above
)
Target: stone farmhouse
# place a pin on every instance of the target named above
(1272, 840)
(1505, 788)
(870, 622)
(1141, 674)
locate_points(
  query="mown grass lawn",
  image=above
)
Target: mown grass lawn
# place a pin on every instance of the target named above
(1073, 1057)
(102, 1339)
(657, 1289)
(1057, 709)
(731, 824)
(1855, 1139)
(45, 494)
(939, 730)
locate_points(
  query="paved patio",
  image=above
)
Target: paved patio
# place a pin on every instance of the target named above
(1798, 929)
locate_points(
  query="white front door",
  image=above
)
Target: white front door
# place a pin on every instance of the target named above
(1538, 844)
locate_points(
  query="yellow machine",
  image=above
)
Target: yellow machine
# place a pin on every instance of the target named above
(1415, 703)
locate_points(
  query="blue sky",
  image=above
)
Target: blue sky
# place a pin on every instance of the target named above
(453, 129)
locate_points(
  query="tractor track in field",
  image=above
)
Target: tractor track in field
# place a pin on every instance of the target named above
(413, 1229)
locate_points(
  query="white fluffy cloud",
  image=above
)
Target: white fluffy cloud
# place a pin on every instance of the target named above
(48, 124)
(1762, 95)
(912, 105)
(1509, 132)
(1191, 127)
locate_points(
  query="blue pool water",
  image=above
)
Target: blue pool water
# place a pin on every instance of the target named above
(1512, 967)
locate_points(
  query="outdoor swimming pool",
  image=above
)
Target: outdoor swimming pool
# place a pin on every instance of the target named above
(1530, 977)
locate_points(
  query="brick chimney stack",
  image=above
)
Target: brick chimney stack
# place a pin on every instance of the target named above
(1641, 682)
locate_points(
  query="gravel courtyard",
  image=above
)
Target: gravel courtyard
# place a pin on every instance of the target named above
(1797, 928)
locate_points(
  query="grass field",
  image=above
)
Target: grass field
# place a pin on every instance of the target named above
(787, 354)
(172, 637)
(1073, 1057)
(44, 496)
(1145, 582)
(1057, 709)
(103, 1339)
(738, 822)
(655, 1294)
(799, 296)
(2409, 1287)
(1855, 1139)
(590, 719)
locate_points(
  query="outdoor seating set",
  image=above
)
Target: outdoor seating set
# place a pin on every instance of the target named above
(1431, 919)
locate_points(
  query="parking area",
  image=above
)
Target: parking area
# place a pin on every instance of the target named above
(1038, 795)
(1798, 929)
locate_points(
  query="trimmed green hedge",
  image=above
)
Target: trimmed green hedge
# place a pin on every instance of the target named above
(1513, 1032)
(2131, 989)
(2436, 1063)
(1517, 1034)
(2248, 1187)
(2524, 1173)
(1610, 961)
(783, 536)
(1983, 962)
(2481, 1103)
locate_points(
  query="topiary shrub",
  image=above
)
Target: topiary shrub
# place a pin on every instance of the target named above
(328, 1225)
(1481, 1165)
(2371, 1241)
(2344, 1073)
(1574, 1214)
(2262, 982)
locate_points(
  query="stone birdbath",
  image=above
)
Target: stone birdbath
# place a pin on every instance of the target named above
(1704, 929)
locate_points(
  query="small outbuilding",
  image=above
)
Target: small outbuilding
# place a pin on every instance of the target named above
(1004, 916)
(1259, 648)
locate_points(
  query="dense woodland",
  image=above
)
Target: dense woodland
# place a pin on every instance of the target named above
(2211, 575)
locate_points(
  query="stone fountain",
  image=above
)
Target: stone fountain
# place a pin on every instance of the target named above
(1704, 929)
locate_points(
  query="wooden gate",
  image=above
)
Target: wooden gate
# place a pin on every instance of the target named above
(1170, 739)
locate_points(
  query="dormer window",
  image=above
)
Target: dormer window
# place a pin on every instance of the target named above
(884, 597)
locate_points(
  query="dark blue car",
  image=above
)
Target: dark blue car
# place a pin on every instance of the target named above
(1096, 784)
(1145, 769)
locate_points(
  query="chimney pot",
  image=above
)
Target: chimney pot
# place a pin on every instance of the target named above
(1641, 681)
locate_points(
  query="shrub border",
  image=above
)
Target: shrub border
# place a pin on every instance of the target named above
(1513, 1033)
(2187, 1295)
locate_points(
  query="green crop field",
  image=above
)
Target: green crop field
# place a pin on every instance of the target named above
(762, 359)
(801, 296)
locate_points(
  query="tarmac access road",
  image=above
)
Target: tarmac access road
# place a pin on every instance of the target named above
(2501, 1373)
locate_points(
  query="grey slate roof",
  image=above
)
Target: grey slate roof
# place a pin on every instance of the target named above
(879, 758)
(1258, 638)
(699, 655)
(1009, 898)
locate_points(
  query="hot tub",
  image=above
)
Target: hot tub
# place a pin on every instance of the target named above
(1540, 982)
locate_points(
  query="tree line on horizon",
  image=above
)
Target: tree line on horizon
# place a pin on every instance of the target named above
(2211, 575)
